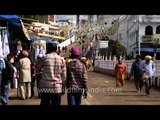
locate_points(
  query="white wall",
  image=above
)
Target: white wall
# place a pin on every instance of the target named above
(67, 42)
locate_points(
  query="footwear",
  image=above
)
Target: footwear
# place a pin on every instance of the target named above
(3, 101)
(138, 90)
(22, 98)
(32, 97)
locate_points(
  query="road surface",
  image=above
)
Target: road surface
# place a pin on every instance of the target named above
(102, 91)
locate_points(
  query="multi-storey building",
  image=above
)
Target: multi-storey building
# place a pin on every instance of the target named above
(137, 33)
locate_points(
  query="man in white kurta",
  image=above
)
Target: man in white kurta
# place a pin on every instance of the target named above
(25, 75)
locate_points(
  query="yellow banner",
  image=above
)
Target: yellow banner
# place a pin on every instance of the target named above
(25, 31)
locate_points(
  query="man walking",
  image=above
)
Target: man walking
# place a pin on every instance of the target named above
(149, 68)
(76, 79)
(53, 76)
(136, 71)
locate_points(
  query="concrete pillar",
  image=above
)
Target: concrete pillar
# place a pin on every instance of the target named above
(106, 58)
(158, 82)
(154, 29)
(114, 58)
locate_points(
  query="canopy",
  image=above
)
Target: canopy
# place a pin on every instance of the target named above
(147, 49)
(13, 19)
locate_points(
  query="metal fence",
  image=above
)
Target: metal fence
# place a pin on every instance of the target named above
(110, 64)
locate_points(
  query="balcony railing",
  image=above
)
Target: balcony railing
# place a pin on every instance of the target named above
(147, 38)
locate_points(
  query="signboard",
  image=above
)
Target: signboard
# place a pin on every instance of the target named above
(103, 44)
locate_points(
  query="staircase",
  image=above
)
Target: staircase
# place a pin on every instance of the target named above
(75, 44)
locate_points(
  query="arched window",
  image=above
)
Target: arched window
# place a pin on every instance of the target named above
(158, 29)
(149, 30)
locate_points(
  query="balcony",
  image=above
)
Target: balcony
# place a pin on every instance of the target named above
(147, 38)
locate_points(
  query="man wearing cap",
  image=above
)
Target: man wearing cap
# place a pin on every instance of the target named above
(51, 85)
(76, 79)
(136, 71)
(24, 68)
(149, 68)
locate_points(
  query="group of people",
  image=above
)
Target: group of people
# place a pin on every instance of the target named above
(53, 75)
(14, 74)
(59, 74)
(141, 72)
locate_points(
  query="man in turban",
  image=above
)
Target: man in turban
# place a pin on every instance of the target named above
(24, 68)
(76, 79)
(149, 69)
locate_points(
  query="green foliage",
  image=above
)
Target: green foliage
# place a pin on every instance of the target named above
(111, 30)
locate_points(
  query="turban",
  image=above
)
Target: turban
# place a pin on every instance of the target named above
(148, 57)
(25, 53)
(75, 51)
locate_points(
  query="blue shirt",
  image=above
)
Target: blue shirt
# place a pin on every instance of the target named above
(136, 69)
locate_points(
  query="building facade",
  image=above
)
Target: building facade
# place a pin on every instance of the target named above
(137, 33)
(141, 32)
(47, 18)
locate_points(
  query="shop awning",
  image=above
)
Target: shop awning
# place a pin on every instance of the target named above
(147, 49)
(13, 19)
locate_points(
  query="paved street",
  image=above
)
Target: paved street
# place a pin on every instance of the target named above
(102, 91)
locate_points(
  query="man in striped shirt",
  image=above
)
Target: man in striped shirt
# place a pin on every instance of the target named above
(76, 79)
(53, 76)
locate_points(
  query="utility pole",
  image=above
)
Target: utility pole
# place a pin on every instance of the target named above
(139, 44)
(77, 22)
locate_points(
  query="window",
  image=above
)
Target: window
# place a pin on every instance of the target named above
(158, 29)
(149, 30)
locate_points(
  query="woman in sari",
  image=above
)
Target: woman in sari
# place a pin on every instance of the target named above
(120, 72)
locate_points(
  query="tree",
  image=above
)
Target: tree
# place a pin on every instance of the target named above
(116, 48)
(111, 30)
(155, 45)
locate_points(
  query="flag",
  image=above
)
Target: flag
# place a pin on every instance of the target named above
(1, 53)
(36, 51)
(25, 31)
(5, 45)
(42, 51)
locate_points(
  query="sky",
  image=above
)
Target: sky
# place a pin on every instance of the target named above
(63, 17)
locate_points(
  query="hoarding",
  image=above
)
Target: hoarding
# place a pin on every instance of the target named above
(103, 44)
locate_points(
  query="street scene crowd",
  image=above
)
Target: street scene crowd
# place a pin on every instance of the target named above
(54, 74)
(56, 67)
